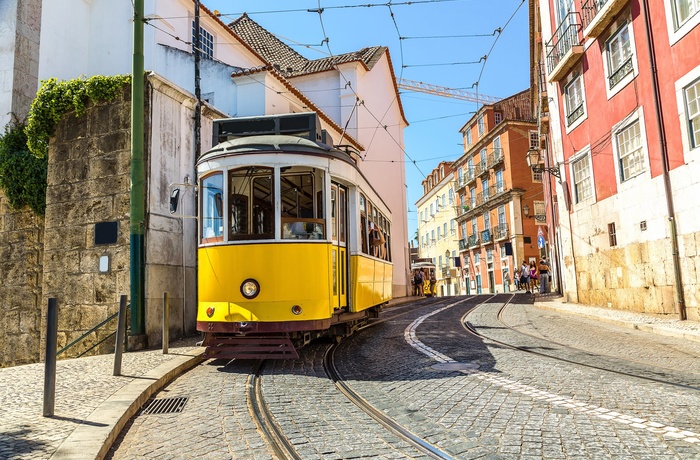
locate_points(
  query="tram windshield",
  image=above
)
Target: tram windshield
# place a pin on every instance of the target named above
(247, 206)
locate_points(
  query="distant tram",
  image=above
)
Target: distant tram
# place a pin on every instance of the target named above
(294, 243)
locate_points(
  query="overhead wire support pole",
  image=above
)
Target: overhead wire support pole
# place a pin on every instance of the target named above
(197, 88)
(138, 179)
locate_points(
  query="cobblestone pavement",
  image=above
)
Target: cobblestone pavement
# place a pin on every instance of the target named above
(505, 404)
(81, 385)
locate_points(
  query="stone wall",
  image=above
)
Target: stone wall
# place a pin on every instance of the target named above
(88, 183)
(21, 254)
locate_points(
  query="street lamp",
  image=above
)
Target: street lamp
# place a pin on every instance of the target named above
(533, 161)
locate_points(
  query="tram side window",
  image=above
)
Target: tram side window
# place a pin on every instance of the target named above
(301, 219)
(212, 208)
(251, 203)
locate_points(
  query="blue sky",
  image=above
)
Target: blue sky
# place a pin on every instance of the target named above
(442, 40)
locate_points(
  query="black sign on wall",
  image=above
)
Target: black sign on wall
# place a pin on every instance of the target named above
(106, 232)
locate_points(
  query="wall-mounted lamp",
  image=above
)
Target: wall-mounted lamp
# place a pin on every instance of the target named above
(533, 161)
(526, 211)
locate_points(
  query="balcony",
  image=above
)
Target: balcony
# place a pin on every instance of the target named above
(565, 47)
(500, 232)
(481, 168)
(597, 15)
(495, 158)
(445, 272)
(461, 183)
(463, 244)
(486, 237)
(473, 240)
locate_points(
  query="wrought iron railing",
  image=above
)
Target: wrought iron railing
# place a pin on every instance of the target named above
(589, 10)
(486, 236)
(563, 39)
(473, 240)
(500, 231)
(622, 71)
(575, 114)
(495, 157)
(462, 244)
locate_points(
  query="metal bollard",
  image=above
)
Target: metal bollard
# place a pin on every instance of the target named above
(166, 323)
(50, 367)
(119, 345)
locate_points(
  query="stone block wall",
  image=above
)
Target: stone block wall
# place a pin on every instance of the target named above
(88, 183)
(21, 255)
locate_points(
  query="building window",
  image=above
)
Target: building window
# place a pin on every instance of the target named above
(619, 50)
(443, 200)
(683, 10)
(469, 136)
(451, 195)
(438, 234)
(497, 117)
(482, 125)
(534, 140)
(432, 236)
(581, 169)
(692, 102)
(537, 176)
(206, 42)
(573, 97)
(629, 148)
(499, 181)
(612, 236)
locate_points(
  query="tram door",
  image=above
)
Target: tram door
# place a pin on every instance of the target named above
(339, 252)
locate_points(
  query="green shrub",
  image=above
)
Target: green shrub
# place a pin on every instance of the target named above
(24, 149)
(22, 175)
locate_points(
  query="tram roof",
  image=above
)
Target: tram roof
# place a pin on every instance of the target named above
(273, 143)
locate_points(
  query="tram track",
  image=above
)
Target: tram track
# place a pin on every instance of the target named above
(470, 328)
(263, 417)
(386, 422)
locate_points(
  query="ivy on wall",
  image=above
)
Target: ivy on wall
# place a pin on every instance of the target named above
(24, 150)
(22, 175)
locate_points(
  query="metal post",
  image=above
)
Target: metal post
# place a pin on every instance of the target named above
(121, 326)
(166, 323)
(50, 367)
(138, 178)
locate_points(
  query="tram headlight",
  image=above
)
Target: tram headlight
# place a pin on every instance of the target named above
(296, 309)
(250, 288)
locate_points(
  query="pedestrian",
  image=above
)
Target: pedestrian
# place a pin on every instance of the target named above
(533, 277)
(506, 282)
(421, 282)
(417, 283)
(544, 276)
(525, 276)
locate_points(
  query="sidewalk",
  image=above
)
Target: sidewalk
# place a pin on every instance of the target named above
(91, 405)
(663, 325)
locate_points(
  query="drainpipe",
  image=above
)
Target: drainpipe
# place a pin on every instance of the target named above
(665, 163)
(137, 195)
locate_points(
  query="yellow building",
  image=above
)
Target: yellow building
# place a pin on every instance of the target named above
(437, 228)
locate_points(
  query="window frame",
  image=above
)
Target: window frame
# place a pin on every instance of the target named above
(579, 158)
(636, 117)
(576, 79)
(675, 30)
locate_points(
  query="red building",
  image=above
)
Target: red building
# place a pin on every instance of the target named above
(617, 90)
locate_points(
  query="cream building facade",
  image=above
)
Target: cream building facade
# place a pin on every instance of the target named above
(437, 228)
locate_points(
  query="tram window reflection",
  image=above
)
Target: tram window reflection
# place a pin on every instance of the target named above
(251, 203)
(302, 219)
(212, 208)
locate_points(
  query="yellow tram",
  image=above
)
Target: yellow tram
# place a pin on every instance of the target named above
(294, 243)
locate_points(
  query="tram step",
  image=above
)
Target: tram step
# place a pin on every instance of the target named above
(250, 347)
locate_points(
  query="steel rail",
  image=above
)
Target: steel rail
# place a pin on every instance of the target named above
(383, 420)
(473, 330)
(264, 419)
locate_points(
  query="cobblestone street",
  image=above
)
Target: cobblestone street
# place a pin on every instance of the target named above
(508, 403)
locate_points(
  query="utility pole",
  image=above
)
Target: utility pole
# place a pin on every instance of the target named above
(197, 89)
(137, 195)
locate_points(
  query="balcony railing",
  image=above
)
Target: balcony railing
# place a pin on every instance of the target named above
(473, 240)
(563, 41)
(445, 272)
(481, 168)
(486, 236)
(500, 232)
(574, 115)
(495, 157)
(597, 15)
(621, 72)
(462, 244)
